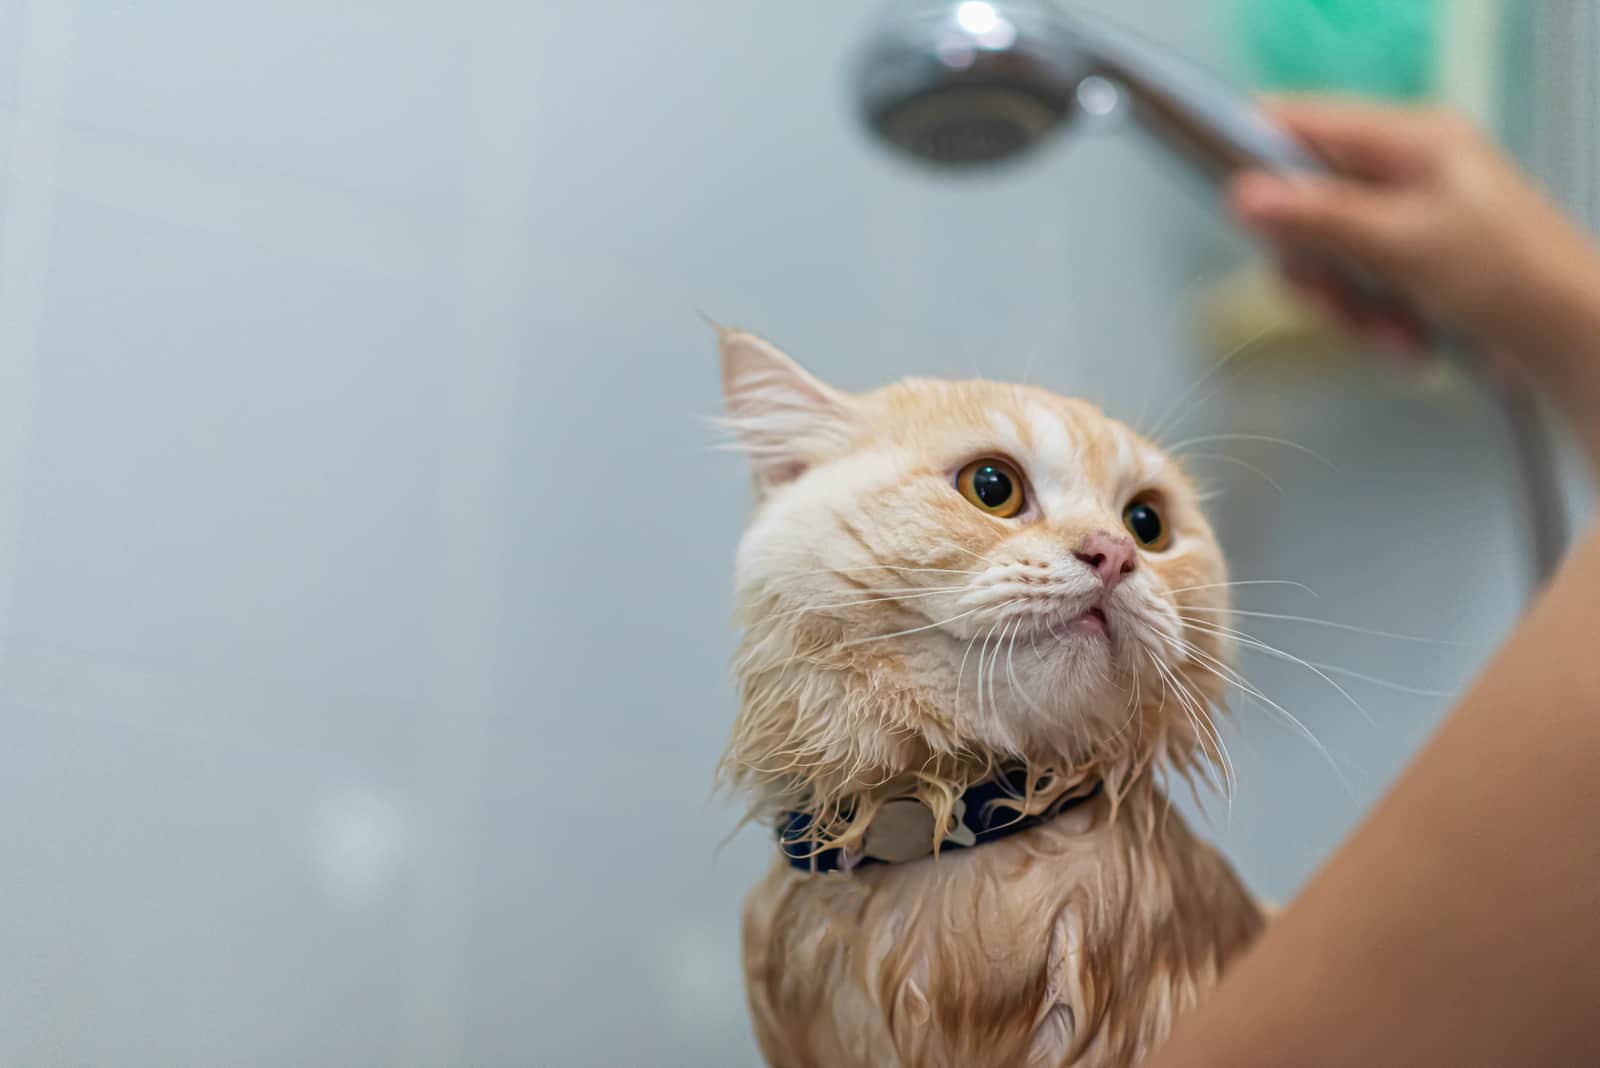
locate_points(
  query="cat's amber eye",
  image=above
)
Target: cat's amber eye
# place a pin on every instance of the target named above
(993, 485)
(1144, 522)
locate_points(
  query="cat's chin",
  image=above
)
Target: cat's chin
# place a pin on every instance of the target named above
(1063, 688)
(1083, 644)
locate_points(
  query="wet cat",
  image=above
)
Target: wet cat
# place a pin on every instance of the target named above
(979, 622)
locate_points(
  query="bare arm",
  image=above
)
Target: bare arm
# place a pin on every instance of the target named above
(1461, 923)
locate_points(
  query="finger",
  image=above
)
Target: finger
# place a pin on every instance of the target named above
(1327, 215)
(1400, 338)
(1395, 328)
(1360, 138)
(1317, 288)
(1322, 291)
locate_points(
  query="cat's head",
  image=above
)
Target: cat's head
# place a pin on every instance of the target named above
(940, 578)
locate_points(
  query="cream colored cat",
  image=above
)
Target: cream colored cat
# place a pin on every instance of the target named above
(970, 608)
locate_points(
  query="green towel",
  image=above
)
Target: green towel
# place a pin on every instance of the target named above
(1383, 48)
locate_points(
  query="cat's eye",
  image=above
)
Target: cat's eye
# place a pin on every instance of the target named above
(1144, 522)
(993, 485)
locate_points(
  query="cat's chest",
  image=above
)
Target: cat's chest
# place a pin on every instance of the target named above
(1032, 951)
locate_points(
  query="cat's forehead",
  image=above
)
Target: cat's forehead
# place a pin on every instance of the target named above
(1023, 422)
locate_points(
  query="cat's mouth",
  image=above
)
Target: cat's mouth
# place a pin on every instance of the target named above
(1091, 622)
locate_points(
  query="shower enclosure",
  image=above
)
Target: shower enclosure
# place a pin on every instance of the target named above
(363, 556)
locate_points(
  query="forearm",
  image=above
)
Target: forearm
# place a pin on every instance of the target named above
(1545, 320)
(1458, 926)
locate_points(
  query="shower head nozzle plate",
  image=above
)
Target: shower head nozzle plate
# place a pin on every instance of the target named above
(969, 83)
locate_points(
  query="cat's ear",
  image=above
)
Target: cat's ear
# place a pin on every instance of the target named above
(781, 416)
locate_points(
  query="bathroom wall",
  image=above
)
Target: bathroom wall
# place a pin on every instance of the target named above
(364, 565)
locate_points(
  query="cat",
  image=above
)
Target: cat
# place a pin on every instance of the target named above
(981, 625)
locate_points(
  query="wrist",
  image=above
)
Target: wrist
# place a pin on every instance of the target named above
(1547, 328)
(1548, 319)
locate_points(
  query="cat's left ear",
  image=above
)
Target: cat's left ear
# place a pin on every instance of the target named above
(783, 416)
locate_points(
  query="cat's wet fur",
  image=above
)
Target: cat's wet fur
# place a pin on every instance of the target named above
(902, 638)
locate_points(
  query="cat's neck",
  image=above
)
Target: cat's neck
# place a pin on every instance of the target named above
(799, 746)
(905, 829)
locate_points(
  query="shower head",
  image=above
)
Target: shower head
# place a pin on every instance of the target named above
(955, 82)
(960, 83)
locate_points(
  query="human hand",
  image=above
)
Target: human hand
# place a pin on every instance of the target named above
(1429, 207)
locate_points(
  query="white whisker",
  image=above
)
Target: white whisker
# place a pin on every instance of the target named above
(1133, 696)
(1201, 720)
(961, 671)
(1235, 461)
(1336, 626)
(1255, 694)
(897, 596)
(983, 653)
(1264, 438)
(1384, 683)
(977, 556)
(880, 567)
(1011, 675)
(1247, 582)
(1252, 642)
(913, 630)
(994, 662)
(1174, 414)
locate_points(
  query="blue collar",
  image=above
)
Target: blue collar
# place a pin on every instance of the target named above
(980, 819)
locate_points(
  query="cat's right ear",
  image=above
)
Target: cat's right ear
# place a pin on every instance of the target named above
(780, 415)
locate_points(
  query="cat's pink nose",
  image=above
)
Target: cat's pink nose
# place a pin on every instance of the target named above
(1111, 556)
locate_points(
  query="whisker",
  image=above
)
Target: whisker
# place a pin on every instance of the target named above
(1201, 735)
(1247, 582)
(1138, 650)
(1033, 356)
(1267, 702)
(1133, 697)
(898, 596)
(1208, 730)
(894, 591)
(983, 653)
(1386, 684)
(1336, 626)
(914, 630)
(1252, 642)
(1266, 438)
(1167, 419)
(962, 671)
(978, 556)
(1011, 676)
(1198, 403)
(1235, 461)
(881, 567)
(994, 663)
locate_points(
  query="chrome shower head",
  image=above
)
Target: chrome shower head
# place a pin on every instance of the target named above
(959, 83)
(978, 81)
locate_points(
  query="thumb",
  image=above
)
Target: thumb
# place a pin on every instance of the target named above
(1323, 213)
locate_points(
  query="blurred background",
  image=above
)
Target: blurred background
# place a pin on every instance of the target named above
(364, 564)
